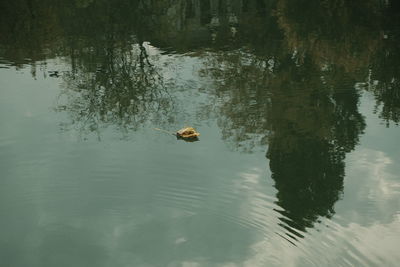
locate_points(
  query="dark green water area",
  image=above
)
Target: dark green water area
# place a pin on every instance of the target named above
(298, 107)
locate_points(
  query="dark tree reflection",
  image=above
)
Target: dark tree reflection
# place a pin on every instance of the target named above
(308, 122)
(384, 80)
(313, 126)
(302, 104)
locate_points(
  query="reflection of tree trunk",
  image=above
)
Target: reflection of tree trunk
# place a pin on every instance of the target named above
(143, 57)
(214, 6)
(30, 7)
(143, 61)
(197, 11)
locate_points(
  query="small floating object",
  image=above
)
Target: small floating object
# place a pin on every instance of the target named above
(187, 133)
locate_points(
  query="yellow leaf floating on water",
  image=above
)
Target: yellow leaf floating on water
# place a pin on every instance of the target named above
(187, 132)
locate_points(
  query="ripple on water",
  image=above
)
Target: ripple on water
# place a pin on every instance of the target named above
(5, 64)
(335, 241)
(195, 192)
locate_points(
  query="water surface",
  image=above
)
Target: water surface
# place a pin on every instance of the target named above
(298, 109)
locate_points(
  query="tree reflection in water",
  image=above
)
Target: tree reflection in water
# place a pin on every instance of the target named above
(384, 80)
(283, 72)
(127, 90)
(313, 126)
(296, 94)
(308, 124)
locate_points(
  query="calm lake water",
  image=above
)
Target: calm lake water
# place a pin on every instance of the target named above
(297, 103)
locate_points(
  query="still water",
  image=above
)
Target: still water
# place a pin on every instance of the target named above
(297, 103)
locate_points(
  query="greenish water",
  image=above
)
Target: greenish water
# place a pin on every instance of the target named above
(297, 103)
